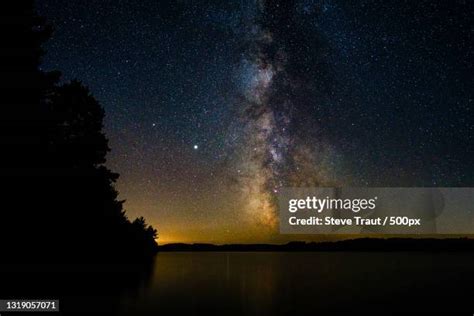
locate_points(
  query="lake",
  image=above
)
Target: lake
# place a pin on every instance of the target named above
(254, 283)
(246, 283)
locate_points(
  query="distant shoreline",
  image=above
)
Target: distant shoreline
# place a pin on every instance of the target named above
(362, 244)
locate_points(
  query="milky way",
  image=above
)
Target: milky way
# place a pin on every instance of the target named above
(271, 155)
(213, 106)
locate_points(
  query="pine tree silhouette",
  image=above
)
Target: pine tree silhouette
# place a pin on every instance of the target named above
(59, 200)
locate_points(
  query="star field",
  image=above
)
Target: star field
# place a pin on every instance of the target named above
(212, 106)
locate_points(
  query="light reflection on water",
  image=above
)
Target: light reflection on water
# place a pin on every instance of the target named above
(251, 283)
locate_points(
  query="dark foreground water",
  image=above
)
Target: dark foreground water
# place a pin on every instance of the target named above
(204, 283)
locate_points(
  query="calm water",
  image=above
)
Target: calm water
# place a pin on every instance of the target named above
(207, 283)
(304, 283)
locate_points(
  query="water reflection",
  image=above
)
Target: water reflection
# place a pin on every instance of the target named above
(258, 283)
(280, 283)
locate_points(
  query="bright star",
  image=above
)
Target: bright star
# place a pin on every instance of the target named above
(196, 147)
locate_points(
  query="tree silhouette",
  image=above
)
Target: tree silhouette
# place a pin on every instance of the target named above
(59, 200)
(23, 88)
(77, 135)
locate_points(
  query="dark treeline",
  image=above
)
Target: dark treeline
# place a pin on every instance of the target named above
(360, 244)
(58, 198)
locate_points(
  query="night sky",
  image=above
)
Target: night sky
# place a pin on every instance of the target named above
(213, 106)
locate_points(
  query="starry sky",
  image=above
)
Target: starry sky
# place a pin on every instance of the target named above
(213, 106)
